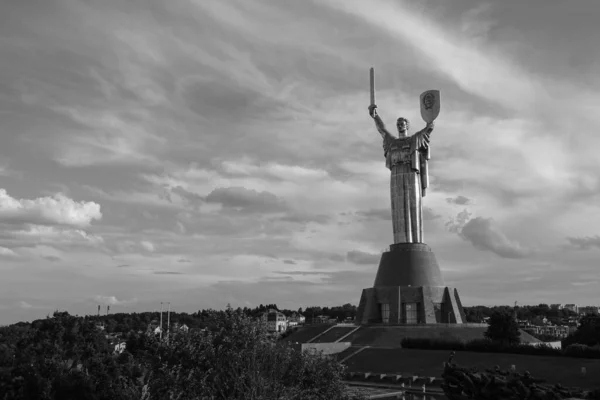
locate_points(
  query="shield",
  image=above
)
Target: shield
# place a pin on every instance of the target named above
(430, 105)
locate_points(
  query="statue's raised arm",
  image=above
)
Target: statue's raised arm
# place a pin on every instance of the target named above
(378, 122)
(422, 137)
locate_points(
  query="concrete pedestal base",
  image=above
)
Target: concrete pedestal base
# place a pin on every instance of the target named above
(410, 305)
(409, 289)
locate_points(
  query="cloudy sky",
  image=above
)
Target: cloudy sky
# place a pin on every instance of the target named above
(207, 152)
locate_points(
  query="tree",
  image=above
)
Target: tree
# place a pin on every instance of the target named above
(503, 328)
(587, 333)
(236, 359)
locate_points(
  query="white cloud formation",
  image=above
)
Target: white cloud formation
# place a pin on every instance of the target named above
(148, 246)
(58, 209)
(112, 300)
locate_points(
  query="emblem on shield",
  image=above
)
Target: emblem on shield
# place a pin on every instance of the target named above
(430, 105)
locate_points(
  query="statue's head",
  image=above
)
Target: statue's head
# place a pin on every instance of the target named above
(403, 126)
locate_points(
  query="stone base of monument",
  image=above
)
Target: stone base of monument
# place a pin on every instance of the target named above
(409, 289)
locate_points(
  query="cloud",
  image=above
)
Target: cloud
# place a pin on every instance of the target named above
(112, 300)
(52, 258)
(483, 235)
(459, 200)
(167, 273)
(429, 214)
(456, 224)
(184, 260)
(292, 262)
(381, 213)
(361, 257)
(5, 252)
(24, 304)
(48, 235)
(246, 200)
(585, 242)
(58, 209)
(148, 246)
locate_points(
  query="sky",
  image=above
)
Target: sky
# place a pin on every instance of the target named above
(204, 152)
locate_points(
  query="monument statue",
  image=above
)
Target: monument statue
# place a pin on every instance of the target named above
(407, 156)
(408, 287)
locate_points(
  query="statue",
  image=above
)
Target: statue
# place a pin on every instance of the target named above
(406, 157)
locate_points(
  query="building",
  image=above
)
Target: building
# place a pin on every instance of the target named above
(276, 321)
(119, 347)
(588, 310)
(183, 327)
(557, 306)
(571, 307)
(296, 319)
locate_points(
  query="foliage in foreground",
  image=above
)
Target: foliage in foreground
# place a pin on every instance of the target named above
(468, 383)
(66, 357)
(237, 360)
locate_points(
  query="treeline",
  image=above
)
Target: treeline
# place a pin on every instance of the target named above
(67, 357)
(126, 322)
(525, 312)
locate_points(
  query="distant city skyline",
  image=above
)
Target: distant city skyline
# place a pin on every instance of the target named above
(221, 152)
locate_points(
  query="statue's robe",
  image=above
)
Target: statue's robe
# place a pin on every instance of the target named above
(407, 160)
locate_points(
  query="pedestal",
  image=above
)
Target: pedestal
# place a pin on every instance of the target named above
(409, 289)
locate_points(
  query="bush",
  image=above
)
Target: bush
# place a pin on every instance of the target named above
(489, 346)
(582, 351)
(237, 360)
(66, 357)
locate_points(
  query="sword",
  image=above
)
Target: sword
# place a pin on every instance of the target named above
(372, 76)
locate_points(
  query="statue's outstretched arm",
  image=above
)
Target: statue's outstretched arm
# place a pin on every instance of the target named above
(381, 126)
(423, 136)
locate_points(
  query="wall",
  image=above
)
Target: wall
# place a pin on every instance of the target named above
(326, 348)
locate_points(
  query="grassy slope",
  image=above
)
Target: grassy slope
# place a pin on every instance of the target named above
(334, 335)
(305, 333)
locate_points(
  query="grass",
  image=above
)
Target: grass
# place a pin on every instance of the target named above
(391, 336)
(334, 334)
(305, 333)
(564, 370)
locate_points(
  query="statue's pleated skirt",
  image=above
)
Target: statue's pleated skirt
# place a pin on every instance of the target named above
(407, 218)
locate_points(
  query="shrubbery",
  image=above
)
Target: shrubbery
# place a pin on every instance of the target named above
(66, 357)
(488, 346)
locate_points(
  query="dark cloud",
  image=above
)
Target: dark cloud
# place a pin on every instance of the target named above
(123, 265)
(184, 260)
(585, 242)
(301, 272)
(483, 235)
(167, 273)
(349, 277)
(381, 213)
(289, 262)
(360, 257)
(336, 258)
(221, 97)
(51, 258)
(304, 218)
(246, 200)
(459, 200)
(193, 198)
